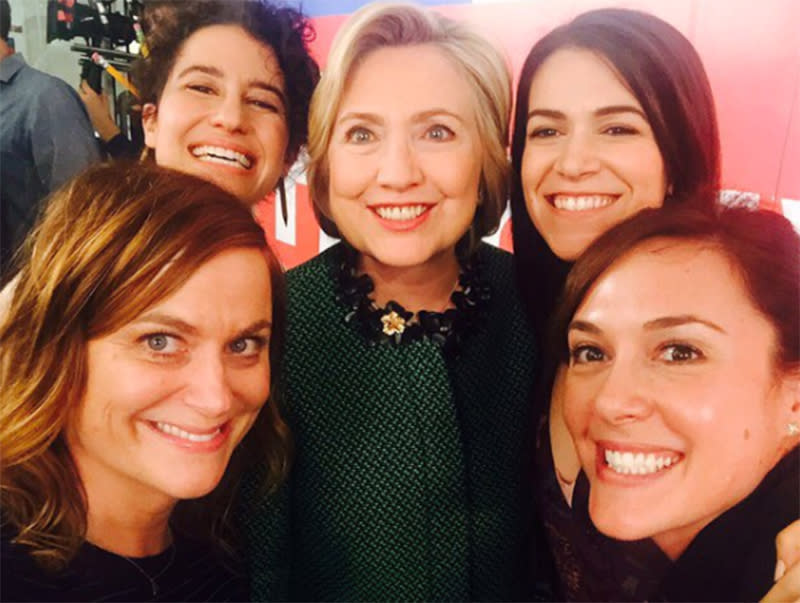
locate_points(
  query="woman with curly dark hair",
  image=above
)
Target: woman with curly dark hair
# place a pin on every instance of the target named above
(225, 89)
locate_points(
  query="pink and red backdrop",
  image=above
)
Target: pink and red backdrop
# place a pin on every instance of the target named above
(751, 51)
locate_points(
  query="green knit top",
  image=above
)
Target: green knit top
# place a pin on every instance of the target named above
(407, 477)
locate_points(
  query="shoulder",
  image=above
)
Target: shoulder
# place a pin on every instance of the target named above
(47, 94)
(312, 270)
(497, 268)
(497, 263)
(310, 286)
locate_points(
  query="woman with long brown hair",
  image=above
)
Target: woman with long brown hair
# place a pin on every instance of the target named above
(135, 361)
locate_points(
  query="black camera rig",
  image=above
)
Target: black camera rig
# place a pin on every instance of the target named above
(107, 34)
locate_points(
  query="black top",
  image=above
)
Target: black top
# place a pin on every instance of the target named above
(187, 571)
(120, 147)
(731, 559)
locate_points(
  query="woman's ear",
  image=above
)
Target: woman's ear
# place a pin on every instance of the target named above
(790, 401)
(150, 124)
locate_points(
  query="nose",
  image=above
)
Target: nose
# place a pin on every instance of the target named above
(229, 114)
(399, 165)
(623, 395)
(576, 158)
(209, 391)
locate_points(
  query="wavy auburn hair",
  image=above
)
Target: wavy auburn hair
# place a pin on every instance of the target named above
(111, 243)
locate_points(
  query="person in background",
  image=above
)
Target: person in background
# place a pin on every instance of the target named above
(114, 142)
(683, 398)
(136, 368)
(408, 361)
(45, 138)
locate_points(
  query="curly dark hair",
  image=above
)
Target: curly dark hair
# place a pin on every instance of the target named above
(167, 24)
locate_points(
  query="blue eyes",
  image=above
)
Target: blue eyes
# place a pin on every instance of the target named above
(160, 342)
(363, 135)
(358, 135)
(248, 346)
(439, 133)
(543, 133)
(164, 345)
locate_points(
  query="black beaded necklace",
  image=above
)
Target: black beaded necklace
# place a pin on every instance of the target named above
(393, 324)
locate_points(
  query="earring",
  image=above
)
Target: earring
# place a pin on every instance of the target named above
(793, 428)
(284, 207)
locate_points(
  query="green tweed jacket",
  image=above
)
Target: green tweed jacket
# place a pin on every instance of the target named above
(407, 479)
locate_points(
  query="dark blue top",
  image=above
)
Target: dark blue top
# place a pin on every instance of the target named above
(45, 138)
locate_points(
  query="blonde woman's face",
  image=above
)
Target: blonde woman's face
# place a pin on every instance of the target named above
(171, 394)
(405, 157)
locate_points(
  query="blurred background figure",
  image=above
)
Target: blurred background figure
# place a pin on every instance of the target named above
(45, 138)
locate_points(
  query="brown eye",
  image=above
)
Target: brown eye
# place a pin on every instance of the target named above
(680, 353)
(584, 354)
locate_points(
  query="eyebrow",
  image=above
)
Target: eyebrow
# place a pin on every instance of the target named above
(376, 118)
(183, 326)
(216, 72)
(683, 319)
(652, 325)
(583, 325)
(601, 112)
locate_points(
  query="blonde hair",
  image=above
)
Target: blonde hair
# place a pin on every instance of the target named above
(111, 243)
(380, 25)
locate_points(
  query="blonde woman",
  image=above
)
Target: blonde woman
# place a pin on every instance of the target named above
(408, 360)
(136, 363)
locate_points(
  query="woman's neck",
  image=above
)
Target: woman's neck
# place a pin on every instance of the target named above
(123, 520)
(424, 287)
(129, 536)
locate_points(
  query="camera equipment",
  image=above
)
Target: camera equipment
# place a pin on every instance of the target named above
(109, 34)
(103, 30)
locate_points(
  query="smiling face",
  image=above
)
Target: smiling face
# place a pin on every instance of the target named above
(171, 394)
(590, 159)
(222, 113)
(672, 395)
(405, 158)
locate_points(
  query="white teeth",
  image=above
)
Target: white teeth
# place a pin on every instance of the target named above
(628, 463)
(185, 435)
(221, 155)
(400, 213)
(582, 203)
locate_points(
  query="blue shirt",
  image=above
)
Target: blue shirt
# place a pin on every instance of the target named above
(45, 138)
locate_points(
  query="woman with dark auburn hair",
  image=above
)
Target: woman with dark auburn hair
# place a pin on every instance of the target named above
(136, 368)
(682, 394)
(614, 114)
